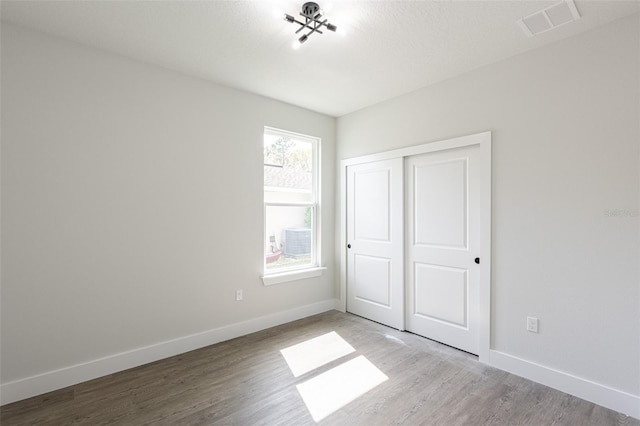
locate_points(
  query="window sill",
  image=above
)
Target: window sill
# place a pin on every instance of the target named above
(288, 276)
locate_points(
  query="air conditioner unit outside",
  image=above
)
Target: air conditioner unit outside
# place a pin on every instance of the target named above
(297, 241)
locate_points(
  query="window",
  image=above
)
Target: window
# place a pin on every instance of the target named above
(291, 213)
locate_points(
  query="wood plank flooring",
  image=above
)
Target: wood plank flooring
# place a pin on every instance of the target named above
(246, 381)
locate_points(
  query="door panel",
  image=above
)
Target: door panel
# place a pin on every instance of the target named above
(440, 198)
(441, 293)
(375, 266)
(442, 225)
(373, 283)
(372, 204)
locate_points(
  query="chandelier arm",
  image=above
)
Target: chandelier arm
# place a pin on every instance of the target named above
(298, 22)
(312, 19)
(315, 27)
(325, 23)
(303, 26)
(315, 20)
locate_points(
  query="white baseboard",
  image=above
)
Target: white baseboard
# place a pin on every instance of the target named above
(605, 396)
(58, 379)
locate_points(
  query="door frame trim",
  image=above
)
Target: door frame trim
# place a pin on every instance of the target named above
(483, 140)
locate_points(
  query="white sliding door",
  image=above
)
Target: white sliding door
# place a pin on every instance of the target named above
(443, 246)
(375, 266)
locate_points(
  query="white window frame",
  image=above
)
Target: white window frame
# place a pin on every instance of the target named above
(282, 275)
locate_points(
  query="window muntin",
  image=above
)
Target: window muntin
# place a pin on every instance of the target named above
(290, 201)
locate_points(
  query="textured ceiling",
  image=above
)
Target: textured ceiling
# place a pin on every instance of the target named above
(382, 48)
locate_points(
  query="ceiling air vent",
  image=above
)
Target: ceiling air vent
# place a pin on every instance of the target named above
(549, 18)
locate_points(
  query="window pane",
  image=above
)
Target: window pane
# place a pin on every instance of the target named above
(288, 170)
(289, 237)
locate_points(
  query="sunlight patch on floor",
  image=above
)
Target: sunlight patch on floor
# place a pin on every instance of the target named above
(333, 389)
(316, 352)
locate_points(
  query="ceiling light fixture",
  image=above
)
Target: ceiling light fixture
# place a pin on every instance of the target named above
(312, 15)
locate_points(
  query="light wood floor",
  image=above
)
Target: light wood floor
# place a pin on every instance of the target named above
(246, 381)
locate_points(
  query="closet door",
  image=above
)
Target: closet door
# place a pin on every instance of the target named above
(375, 266)
(443, 275)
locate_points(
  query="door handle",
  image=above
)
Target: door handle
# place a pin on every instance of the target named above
(477, 260)
(348, 245)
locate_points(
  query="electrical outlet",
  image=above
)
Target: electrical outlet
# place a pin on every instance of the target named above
(532, 324)
(239, 294)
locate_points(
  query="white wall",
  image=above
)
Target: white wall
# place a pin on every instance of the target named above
(565, 122)
(131, 200)
(132, 205)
